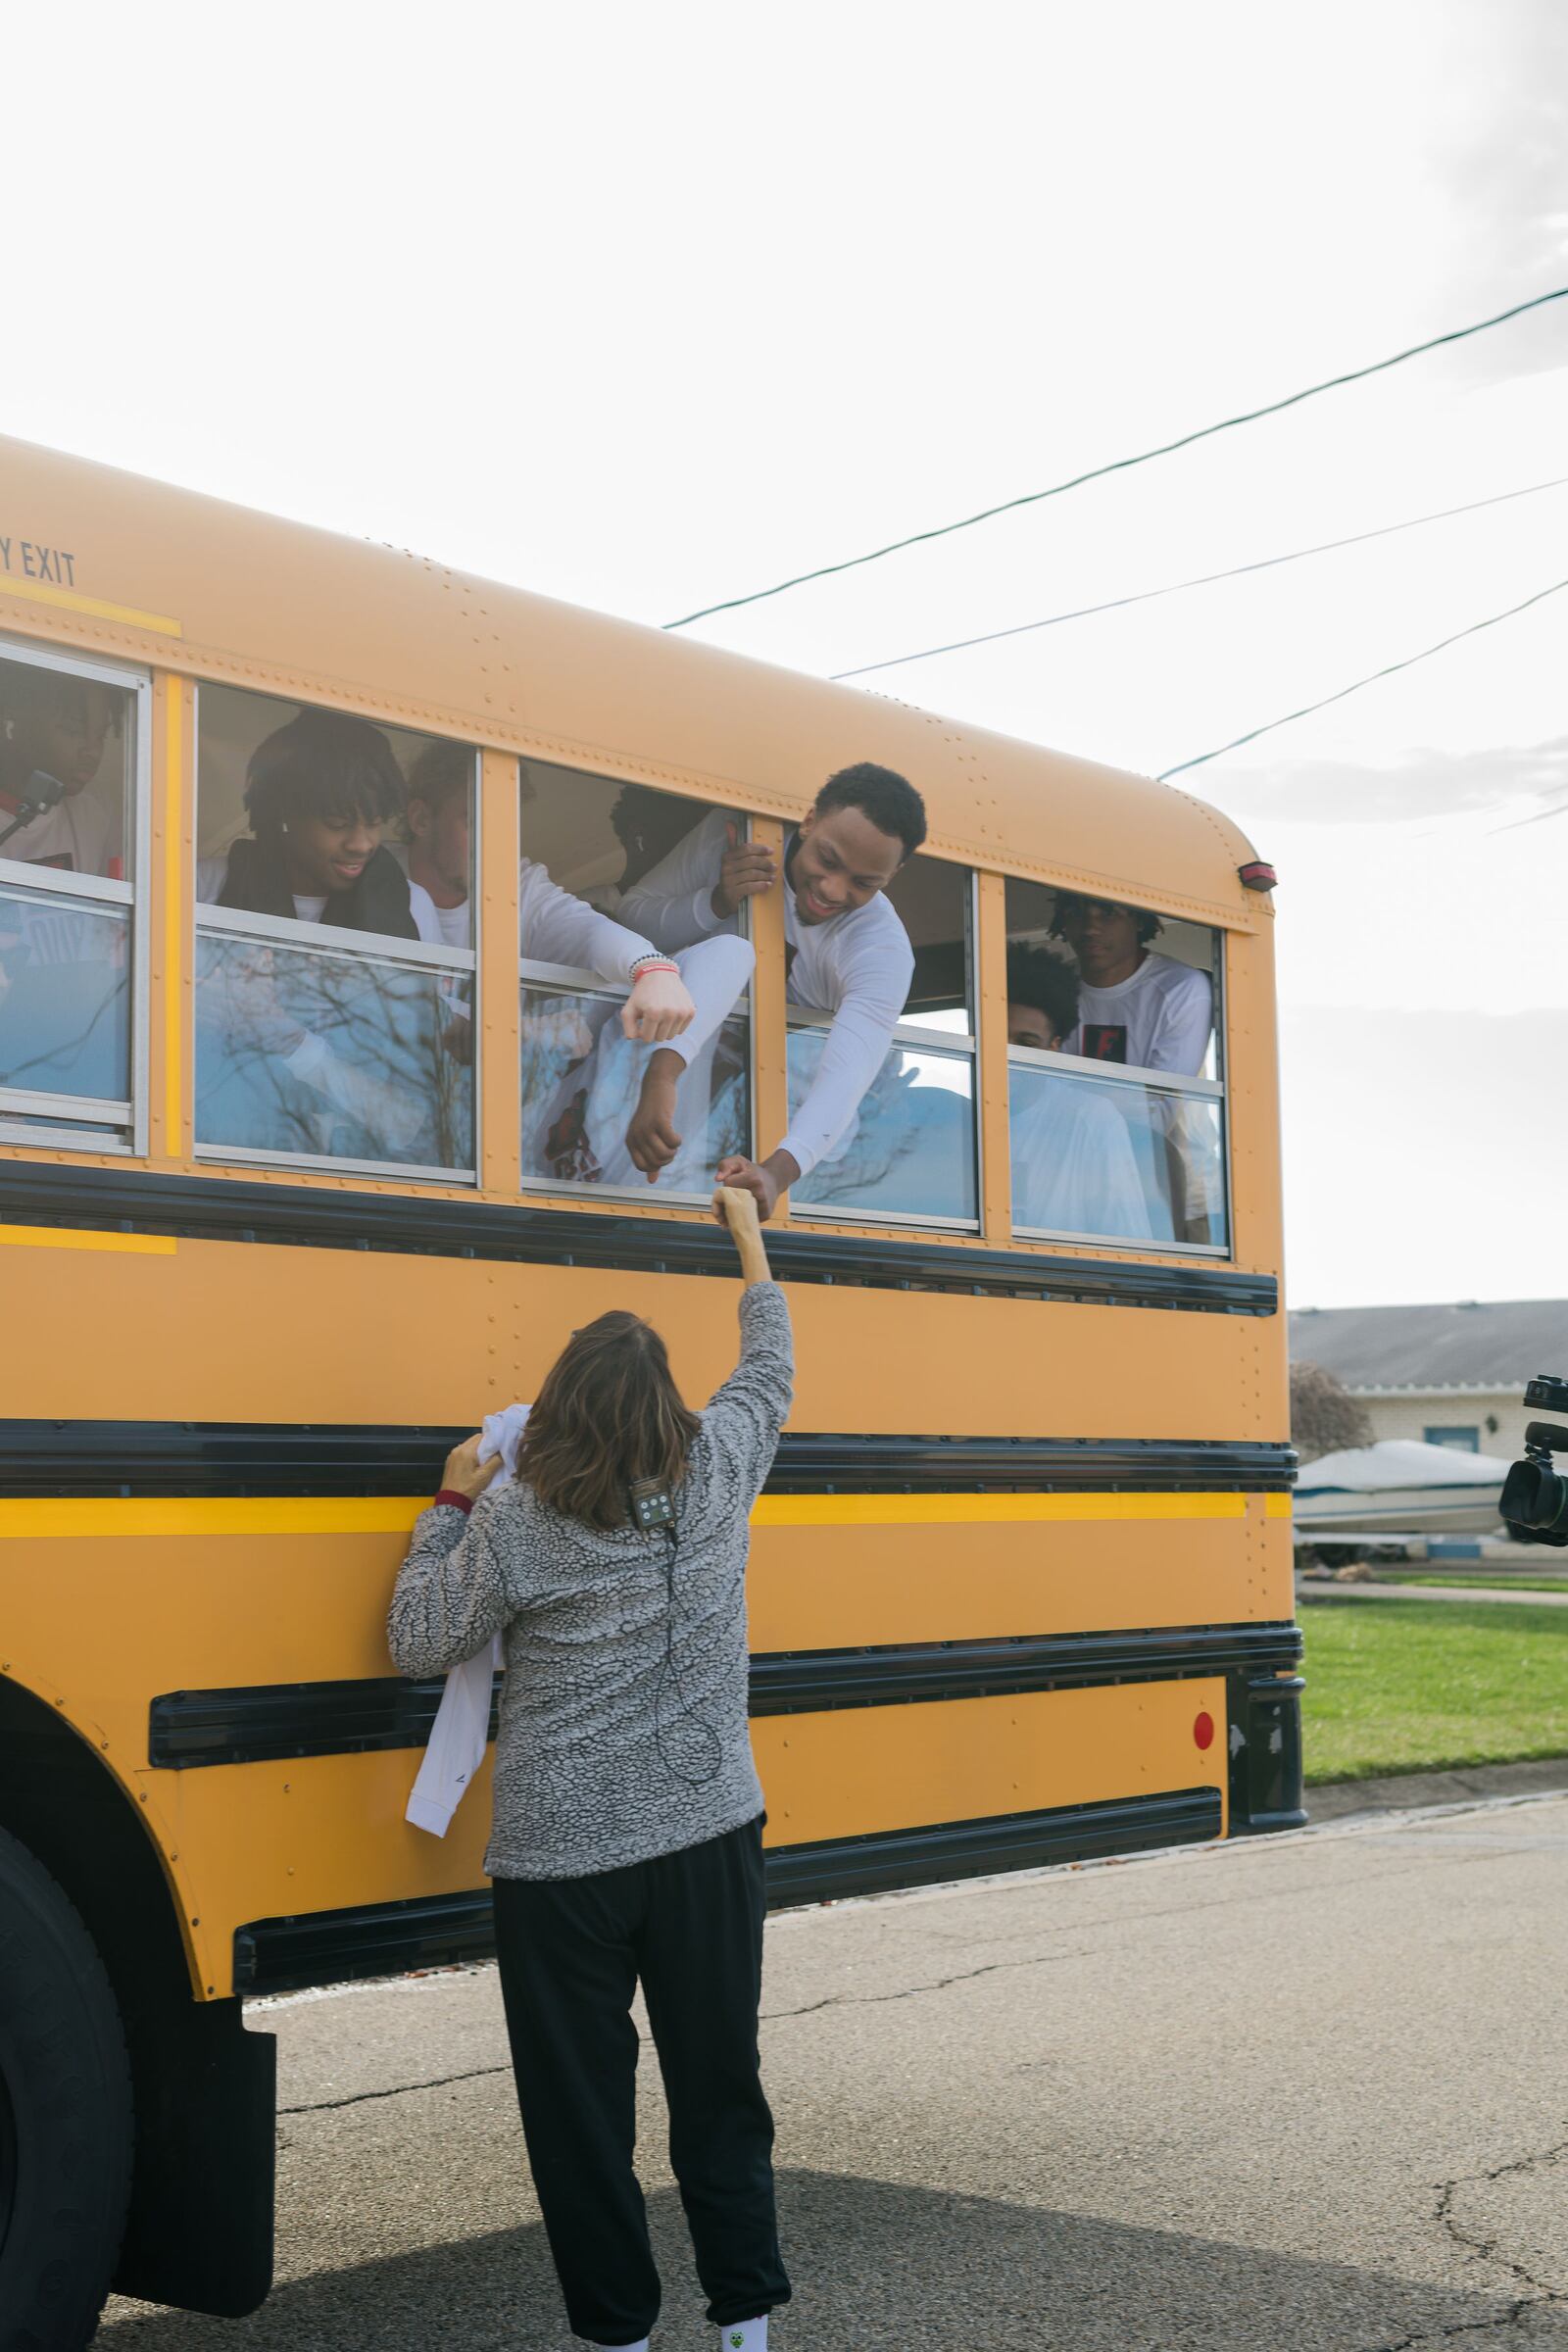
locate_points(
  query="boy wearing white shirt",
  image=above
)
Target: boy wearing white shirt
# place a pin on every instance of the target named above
(847, 953)
(1073, 1165)
(1153, 1013)
(1133, 1007)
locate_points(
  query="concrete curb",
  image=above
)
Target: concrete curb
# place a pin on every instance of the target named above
(1399, 1791)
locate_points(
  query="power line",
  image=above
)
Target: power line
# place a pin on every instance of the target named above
(1353, 375)
(1203, 579)
(1410, 659)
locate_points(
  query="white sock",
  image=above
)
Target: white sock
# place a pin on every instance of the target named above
(744, 2335)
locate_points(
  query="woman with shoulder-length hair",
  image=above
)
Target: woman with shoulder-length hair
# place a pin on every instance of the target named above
(627, 1839)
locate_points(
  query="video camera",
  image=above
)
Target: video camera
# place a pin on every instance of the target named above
(1535, 1495)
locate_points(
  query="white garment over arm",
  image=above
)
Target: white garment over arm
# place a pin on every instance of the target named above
(460, 1732)
(554, 927)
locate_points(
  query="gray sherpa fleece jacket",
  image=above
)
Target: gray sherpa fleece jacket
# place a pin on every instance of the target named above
(609, 1754)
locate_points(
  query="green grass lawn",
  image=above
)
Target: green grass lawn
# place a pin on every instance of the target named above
(1397, 1686)
(1485, 1580)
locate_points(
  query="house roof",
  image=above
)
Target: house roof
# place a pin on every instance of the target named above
(1469, 1345)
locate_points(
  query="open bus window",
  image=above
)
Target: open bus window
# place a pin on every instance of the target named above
(909, 1151)
(335, 965)
(592, 1099)
(1116, 1108)
(69, 741)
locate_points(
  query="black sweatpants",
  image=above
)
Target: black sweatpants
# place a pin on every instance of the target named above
(690, 1925)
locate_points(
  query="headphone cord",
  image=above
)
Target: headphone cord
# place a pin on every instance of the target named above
(670, 1672)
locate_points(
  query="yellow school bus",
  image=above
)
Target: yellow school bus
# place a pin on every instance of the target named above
(1021, 1586)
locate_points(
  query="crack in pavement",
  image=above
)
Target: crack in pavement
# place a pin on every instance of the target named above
(1485, 2249)
(1104, 1930)
(395, 2090)
(909, 1992)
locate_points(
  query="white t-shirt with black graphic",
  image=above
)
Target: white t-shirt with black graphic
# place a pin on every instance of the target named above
(1161, 1018)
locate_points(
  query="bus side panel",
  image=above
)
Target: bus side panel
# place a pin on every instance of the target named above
(212, 1332)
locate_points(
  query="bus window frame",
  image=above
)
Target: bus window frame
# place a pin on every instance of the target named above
(124, 1130)
(325, 939)
(918, 1039)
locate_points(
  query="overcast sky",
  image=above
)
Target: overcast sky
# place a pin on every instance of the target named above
(651, 305)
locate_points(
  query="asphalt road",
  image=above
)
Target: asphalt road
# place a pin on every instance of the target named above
(1307, 2092)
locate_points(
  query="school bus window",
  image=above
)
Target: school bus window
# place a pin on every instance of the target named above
(69, 749)
(910, 1149)
(335, 964)
(600, 1106)
(1116, 1104)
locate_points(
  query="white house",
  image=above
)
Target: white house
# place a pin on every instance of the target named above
(1451, 1374)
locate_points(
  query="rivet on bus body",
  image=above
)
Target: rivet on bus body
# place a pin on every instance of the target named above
(195, 1923)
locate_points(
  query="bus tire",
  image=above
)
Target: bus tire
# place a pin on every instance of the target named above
(67, 2127)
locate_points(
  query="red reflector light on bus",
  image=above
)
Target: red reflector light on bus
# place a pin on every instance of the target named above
(1203, 1730)
(1258, 876)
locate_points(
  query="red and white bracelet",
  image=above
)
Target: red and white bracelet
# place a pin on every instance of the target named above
(653, 964)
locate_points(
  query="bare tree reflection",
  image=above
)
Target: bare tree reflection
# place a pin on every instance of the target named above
(65, 997)
(331, 1057)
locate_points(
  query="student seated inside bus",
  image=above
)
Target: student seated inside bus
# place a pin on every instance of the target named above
(847, 953)
(54, 732)
(1143, 1023)
(65, 968)
(1073, 1165)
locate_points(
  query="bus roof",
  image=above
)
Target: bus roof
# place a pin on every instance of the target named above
(114, 563)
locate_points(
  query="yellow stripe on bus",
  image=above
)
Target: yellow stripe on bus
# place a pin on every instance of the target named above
(204, 1516)
(65, 1236)
(975, 1510)
(1276, 1506)
(394, 1515)
(94, 607)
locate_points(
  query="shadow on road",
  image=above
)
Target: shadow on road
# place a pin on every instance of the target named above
(876, 2265)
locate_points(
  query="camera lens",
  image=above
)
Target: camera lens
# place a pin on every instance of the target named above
(1534, 1503)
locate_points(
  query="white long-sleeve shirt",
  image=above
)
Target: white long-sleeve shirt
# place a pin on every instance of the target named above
(857, 967)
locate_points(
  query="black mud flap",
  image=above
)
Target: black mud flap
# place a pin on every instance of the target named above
(200, 2231)
(1265, 1758)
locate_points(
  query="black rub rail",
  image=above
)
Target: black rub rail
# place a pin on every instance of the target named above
(39, 1457)
(231, 1209)
(328, 1947)
(268, 1722)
